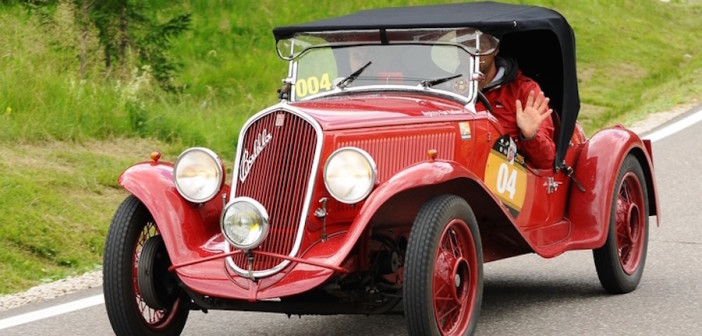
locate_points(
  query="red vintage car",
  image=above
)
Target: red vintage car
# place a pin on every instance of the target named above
(381, 180)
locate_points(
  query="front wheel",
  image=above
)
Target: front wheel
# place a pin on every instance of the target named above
(620, 262)
(443, 286)
(129, 314)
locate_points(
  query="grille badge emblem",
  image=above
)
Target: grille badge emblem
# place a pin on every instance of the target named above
(279, 120)
(247, 160)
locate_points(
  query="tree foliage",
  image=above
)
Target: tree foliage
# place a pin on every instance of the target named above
(128, 32)
(128, 27)
(154, 46)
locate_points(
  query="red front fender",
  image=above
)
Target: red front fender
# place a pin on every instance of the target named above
(419, 176)
(185, 226)
(596, 169)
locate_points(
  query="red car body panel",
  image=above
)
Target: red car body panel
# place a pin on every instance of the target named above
(191, 231)
(597, 169)
(377, 109)
(542, 227)
(189, 226)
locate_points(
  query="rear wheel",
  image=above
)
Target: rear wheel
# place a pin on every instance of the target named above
(620, 262)
(133, 235)
(443, 270)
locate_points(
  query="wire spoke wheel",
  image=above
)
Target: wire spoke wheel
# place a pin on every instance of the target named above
(156, 316)
(621, 260)
(452, 276)
(629, 223)
(443, 271)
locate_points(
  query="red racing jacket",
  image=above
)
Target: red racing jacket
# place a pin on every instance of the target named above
(539, 151)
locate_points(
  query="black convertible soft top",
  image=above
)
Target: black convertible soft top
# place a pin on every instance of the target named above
(539, 38)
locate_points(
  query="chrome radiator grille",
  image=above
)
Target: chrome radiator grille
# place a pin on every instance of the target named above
(276, 164)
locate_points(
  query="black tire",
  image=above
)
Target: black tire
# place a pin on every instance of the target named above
(131, 227)
(620, 262)
(443, 269)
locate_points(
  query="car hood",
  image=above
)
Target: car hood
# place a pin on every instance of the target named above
(379, 109)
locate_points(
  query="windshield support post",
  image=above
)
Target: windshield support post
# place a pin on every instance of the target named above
(384, 36)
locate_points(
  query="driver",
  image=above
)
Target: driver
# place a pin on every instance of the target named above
(358, 57)
(520, 106)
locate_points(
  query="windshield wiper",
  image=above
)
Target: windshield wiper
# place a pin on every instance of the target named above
(429, 83)
(346, 81)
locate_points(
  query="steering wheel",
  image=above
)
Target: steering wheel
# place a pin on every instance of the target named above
(485, 102)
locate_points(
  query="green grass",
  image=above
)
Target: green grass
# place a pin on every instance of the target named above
(57, 199)
(64, 140)
(635, 57)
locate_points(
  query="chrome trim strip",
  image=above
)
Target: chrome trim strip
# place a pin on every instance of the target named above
(292, 77)
(310, 186)
(392, 88)
(468, 103)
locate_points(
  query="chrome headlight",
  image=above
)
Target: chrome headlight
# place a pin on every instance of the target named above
(350, 174)
(198, 174)
(244, 223)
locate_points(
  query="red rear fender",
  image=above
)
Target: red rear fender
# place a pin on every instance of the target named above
(596, 169)
(185, 226)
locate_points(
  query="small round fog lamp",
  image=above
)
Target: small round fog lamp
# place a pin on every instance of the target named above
(244, 223)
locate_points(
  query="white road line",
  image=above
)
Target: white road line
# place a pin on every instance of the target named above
(677, 126)
(51, 311)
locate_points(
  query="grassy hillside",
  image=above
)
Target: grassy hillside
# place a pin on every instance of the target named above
(64, 140)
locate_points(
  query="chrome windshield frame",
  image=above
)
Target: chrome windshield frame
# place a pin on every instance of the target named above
(469, 101)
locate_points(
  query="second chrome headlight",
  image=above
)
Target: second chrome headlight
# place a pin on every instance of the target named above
(350, 174)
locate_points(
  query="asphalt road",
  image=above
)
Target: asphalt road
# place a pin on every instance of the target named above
(525, 295)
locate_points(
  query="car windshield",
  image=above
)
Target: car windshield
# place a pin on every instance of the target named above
(443, 59)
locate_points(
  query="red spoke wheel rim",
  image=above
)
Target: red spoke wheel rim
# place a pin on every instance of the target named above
(630, 223)
(455, 279)
(156, 320)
